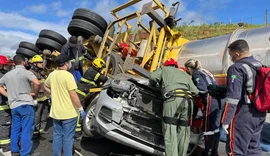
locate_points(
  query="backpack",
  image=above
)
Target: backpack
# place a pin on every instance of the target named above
(261, 95)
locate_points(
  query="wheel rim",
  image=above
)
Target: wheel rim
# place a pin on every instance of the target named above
(89, 118)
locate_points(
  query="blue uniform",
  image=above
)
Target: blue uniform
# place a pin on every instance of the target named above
(212, 112)
(245, 120)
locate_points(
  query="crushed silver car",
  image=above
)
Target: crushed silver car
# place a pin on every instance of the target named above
(129, 112)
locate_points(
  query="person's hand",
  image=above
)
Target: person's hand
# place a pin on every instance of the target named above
(82, 113)
(225, 128)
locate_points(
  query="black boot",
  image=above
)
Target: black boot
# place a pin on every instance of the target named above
(215, 146)
(209, 144)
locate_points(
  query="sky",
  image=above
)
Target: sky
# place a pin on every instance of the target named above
(22, 20)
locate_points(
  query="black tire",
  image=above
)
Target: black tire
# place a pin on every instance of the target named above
(26, 52)
(53, 36)
(87, 128)
(83, 28)
(91, 17)
(28, 45)
(115, 61)
(45, 43)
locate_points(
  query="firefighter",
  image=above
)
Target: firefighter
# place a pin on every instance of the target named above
(177, 90)
(241, 120)
(91, 79)
(77, 52)
(213, 108)
(5, 113)
(42, 108)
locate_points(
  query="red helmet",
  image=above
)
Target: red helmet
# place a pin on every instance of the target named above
(3, 60)
(123, 45)
(171, 62)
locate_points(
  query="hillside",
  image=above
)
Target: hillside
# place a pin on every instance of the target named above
(208, 31)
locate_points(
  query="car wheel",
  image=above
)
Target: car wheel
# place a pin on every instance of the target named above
(87, 121)
(46, 43)
(91, 17)
(53, 36)
(115, 62)
(26, 52)
(83, 28)
(30, 46)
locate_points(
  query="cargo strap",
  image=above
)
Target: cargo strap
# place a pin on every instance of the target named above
(5, 141)
(4, 107)
(80, 92)
(80, 58)
(187, 96)
(88, 81)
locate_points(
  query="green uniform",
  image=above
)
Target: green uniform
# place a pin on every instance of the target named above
(176, 137)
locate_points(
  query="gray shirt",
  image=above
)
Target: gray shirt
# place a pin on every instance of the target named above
(18, 83)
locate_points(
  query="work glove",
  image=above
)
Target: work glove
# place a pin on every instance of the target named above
(225, 128)
(35, 103)
(82, 113)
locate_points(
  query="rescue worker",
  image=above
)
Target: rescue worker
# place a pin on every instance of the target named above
(77, 52)
(245, 121)
(177, 90)
(124, 48)
(213, 109)
(91, 79)
(5, 113)
(42, 108)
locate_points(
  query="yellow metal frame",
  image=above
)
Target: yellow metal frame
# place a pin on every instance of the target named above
(163, 42)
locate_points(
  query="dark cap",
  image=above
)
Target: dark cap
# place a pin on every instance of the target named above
(73, 41)
(61, 59)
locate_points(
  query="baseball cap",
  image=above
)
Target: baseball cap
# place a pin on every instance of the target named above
(61, 59)
(73, 41)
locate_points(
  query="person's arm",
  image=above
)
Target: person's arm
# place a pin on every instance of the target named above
(47, 85)
(233, 96)
(155, 77)
(72, 86)
(36, 84)
(64, 49)
(86, 54)
(75, 99)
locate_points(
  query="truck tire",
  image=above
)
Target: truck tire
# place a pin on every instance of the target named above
(26, 52)
(78, 27)
(28, 45)
(45, 43)
(87, 124)
(53, 36)
(91, 17)
(115, 61)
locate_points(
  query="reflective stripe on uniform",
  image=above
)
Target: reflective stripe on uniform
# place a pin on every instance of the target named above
(80, 58)
(207, 77)
(88, 81)
(42, 80)
(249, 83)
(97, 76)
(5, 141)
(80, 92)
(232, 101)
(4, 107)
(42, 98)
(211, 132)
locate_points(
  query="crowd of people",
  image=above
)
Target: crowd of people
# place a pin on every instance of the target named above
(29, 97)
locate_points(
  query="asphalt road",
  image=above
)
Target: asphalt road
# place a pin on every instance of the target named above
(99, 147)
